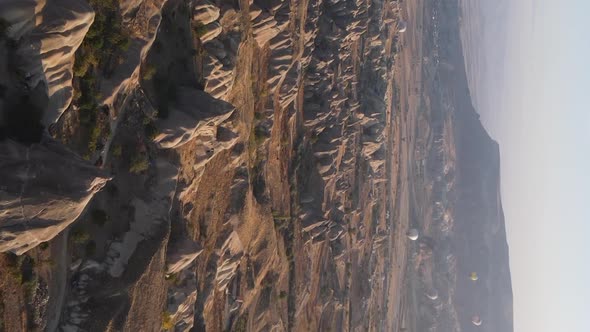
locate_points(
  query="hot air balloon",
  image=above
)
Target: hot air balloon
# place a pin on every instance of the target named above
(433, 295)
(476, 320)
(402, 26)
(412, 234)
(474, 276)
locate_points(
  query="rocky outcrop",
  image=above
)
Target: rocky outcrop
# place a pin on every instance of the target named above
(196, 114)
(45, 188)
(141, 20)
(48, 33)
(252, 148)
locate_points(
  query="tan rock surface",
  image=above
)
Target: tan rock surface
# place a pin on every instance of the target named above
(45, 188)
(266, 160)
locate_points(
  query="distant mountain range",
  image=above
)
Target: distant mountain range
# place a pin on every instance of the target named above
(478, 240)
(484, 27)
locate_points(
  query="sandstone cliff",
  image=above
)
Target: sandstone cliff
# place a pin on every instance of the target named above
(237, 165)
(245, 144)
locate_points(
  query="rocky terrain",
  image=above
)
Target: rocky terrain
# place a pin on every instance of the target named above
(216, 165)
(460, 279)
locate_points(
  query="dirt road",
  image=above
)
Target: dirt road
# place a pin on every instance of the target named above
(408, 73)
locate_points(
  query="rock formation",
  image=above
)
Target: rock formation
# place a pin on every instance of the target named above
(216, 166)
(44, 189)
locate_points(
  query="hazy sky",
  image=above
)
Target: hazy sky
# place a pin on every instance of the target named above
(543, 127)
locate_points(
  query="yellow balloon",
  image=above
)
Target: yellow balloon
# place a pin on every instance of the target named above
(474, 276)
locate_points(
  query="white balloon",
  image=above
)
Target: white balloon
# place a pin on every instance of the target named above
(413, 234)
(476, 321)
(402, 26)
(433, 295)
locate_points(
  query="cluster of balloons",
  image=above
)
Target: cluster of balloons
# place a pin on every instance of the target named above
(476, 320)
(413, 235)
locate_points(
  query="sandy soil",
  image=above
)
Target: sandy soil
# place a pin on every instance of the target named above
(408, 76)
(294, 198)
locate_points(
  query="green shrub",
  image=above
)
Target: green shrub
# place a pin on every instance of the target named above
(167, 323)
(259, 136)
(117, 150)
(150, 130)
(99, 51)
(149, 72)
(106, 34)
(94, 137)
(241, 324)
(79, 236)
(200, 29)
(172, 278)
(314, 138)
(285, 141)
(48, 262)
(83, 63)
(14, 266)
(139, 164)
(87, 113)
(279, 216)
(30, 288)
(120, 41)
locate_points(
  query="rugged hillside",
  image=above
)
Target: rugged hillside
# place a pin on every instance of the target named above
(480, 237)
(45, 187)
(240, 173)
(217, 165)
(463, 223)
(485, 34)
